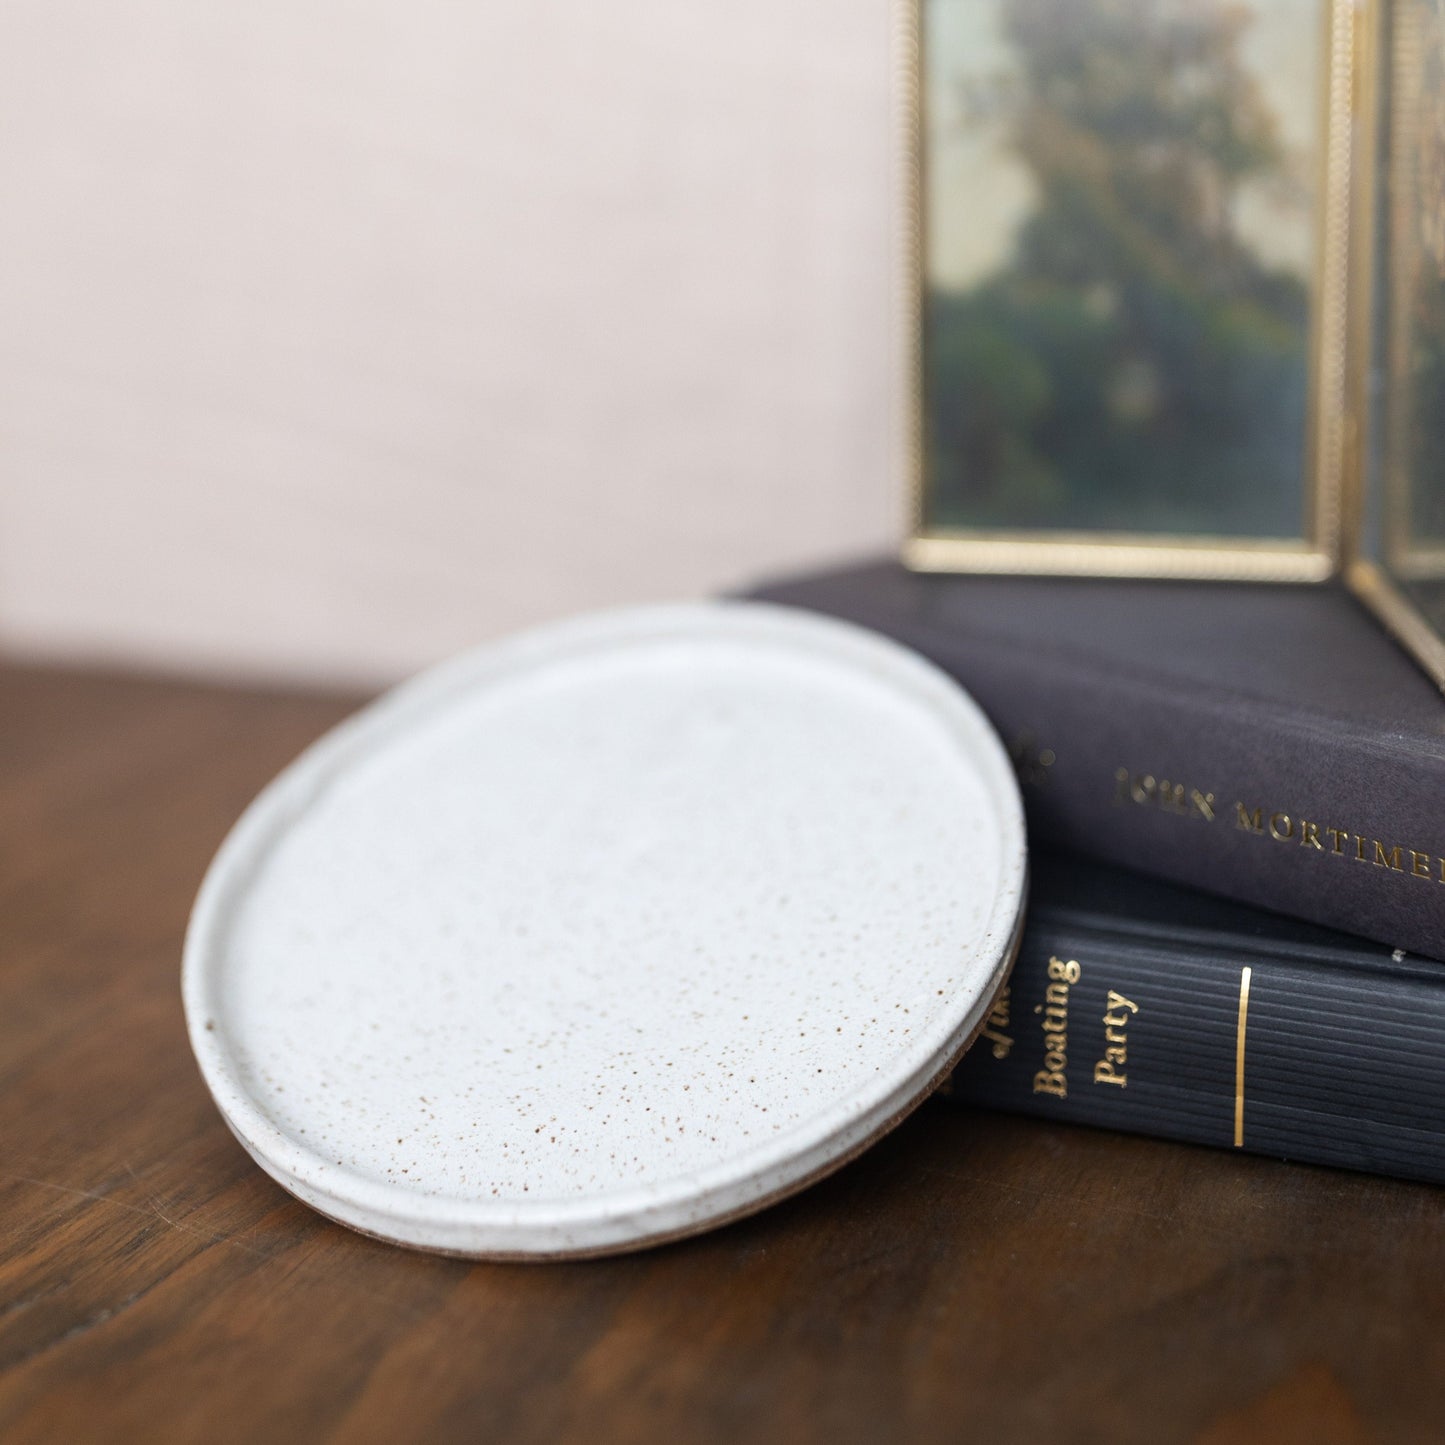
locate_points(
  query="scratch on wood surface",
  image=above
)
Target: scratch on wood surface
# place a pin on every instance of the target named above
(306, 1259)
(153, 1212)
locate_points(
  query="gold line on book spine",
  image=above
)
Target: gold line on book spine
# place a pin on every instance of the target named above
(1244, 978)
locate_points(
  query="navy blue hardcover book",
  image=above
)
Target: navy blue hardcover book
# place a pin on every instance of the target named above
(1140, 1006)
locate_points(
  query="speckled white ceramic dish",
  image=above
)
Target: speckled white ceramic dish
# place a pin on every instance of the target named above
(609, 932)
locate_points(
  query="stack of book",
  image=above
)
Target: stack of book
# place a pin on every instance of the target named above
(1190, 756)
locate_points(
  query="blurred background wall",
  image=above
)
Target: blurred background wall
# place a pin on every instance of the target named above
(334, 337)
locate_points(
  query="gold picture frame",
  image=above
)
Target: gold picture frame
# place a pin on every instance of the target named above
(1395, 572)
(1316, 553)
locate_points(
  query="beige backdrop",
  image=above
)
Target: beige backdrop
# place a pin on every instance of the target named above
(335, 336)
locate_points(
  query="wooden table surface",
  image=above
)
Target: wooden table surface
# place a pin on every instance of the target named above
(973, 1277)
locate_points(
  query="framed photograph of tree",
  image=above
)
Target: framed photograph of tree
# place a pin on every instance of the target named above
(1398, 561)
(1129, 232)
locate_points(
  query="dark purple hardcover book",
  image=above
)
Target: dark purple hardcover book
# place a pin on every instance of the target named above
(1269, 744)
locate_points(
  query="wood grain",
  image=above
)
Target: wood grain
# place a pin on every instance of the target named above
(972, 1277)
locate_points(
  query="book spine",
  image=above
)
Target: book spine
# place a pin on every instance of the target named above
(1214, 1045)
(1200, 786)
